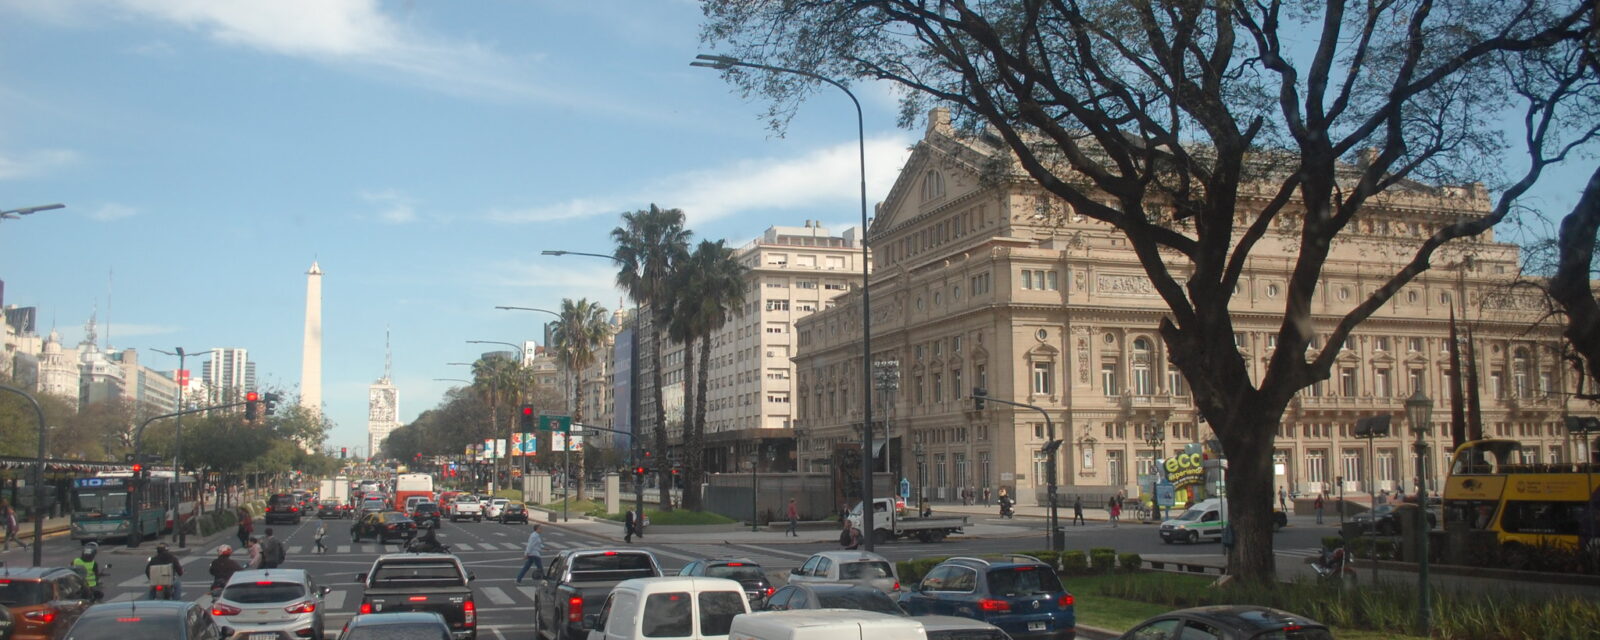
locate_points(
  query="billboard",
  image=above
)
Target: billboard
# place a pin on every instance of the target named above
(558, 442)
(524, 444)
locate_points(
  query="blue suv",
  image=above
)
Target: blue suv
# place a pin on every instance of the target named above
(1019, 594)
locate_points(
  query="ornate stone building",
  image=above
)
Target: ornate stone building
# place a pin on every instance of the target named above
(989, 282)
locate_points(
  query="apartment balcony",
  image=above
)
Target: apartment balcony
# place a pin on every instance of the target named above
(1362, 405)
(1166, 403)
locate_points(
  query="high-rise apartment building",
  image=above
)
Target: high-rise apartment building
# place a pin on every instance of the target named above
(383, 413)
(229, 374)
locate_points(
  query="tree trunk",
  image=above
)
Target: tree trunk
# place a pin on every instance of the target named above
(1571, 286)
(691, 442)
(700, 412)
(577, 418)
(1249, 496)
(663, 474)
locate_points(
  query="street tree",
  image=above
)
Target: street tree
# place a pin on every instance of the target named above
(1195, 128)
(579, 332)
(707, 287)
(649, 245)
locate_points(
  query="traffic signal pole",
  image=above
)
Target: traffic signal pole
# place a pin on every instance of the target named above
(135, 534)
(981, 395)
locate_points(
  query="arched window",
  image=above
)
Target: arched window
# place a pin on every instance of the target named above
(932, 185)
(1143, 378)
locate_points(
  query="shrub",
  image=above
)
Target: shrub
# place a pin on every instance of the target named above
(1103, 560)
(1074, 563)
(907, 570)
(1130, 561)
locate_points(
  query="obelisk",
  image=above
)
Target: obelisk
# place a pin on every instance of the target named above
(311, 358)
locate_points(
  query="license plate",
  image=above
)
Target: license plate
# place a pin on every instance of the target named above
(263, 636)
(1032, 626)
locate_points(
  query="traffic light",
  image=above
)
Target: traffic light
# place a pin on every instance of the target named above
(638, 471)
(137, 469)
(528, 421)
(343, 451)
(272, 403)
(250, 401)
(979, 396)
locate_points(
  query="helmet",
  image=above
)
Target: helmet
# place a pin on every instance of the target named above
(90, 549)
(224, 550)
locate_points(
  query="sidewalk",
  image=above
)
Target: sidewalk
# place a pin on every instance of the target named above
(773, 534)
(52, 527)
(1064, 513)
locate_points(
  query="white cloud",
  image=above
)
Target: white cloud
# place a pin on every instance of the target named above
(34, 163)
(113, 211)
(823, 176)
(395, 207)
(576, 274)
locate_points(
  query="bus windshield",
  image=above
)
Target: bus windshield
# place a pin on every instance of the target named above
(101, 503)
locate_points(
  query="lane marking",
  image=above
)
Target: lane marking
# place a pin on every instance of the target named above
(335, 599)
(496, 595)
(343, 548)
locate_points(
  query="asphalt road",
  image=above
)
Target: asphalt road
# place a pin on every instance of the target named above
(494, 553)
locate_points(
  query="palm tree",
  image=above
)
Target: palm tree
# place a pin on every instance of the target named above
(708, 286)
(498, 380)
(579, 331)
(649, 243)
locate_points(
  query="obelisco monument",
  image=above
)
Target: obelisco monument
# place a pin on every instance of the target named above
(311, 359)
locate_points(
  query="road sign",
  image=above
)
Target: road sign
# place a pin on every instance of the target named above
(560, 424)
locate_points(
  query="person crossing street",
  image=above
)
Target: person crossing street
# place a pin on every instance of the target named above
(532, 554)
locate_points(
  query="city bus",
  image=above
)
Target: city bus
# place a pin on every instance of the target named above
(1496, 485)
(102, 506)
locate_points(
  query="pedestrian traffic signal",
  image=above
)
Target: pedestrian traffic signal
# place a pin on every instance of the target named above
(272, 403)
(528, 421)
(343, 451)
(250, 400)
(979, 395)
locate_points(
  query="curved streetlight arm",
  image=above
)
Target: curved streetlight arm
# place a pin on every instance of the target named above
(724, 63)
(13, 214)
(38, 479)
(451, 380)
(563, 252)
(506, 308)
(521, 353)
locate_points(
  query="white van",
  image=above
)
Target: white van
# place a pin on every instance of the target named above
(1203, 520)
(674, 607)
(825, 624)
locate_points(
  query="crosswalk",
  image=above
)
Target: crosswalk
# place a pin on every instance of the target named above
(1300, 552)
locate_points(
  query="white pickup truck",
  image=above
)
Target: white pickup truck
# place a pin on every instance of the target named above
(466, 507)
(888, 524)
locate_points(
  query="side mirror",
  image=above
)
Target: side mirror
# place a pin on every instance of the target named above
(471, 576)
(796, 572)
(361, 577)
(325, 590)
(592, 621)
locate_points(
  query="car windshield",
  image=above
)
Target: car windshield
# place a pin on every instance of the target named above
(283, 500)
(392, 518)
(417, 631)
(612, 566)
(868, 570)
(417, 573)
(263, 592)
(862, 599)
(427, 507)
(140, 625)
(101, 502)
(21, 593)
(1192, 515)
(739, 572)
(1023, 581)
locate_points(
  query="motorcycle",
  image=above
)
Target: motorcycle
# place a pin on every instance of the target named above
(421, 544)
(1005, 509)
(1333, 567)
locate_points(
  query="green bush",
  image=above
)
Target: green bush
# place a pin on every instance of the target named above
(1103, 560)
(1130, 561)
(1074, 563)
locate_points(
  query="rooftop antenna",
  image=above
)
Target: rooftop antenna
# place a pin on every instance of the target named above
(388, 355)
(111, 274)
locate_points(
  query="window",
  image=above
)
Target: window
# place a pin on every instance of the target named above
(1042, 384)
(916, 385)
(1497, 384)
(1544, 383)
(1040, 279)
(717, 609)
(777, 284)
(938, 387)
(956, 390)
(834, 286)
(777, 305)
(939, 472)
(1176, 384)
(1239, 340)
(1316, 466)
(806, 284)
(1347, 381)
(1380, 384)
(1415, 380)
(1351, 464)
(1414, 344)
(1381, 342)
(983, 376)
(667, 615)
(1041, 466)
(1108, 379)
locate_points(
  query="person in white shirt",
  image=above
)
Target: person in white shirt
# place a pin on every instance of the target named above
(532, 554)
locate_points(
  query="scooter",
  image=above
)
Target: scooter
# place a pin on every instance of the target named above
(1005, 509)
(1333, 567)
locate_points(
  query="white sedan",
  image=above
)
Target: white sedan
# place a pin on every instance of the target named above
(496, 507)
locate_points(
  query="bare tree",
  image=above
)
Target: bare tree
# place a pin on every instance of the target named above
(1196, 128)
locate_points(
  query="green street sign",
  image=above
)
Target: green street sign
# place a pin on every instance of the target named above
(561, 424)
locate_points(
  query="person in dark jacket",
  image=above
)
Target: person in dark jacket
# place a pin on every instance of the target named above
(164, 556)
(272, 551)
(223, 567)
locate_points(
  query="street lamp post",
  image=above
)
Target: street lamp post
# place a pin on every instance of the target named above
(177, 448)
(1419, 412)
(637, 450)
(1155, 435)
(887, 373)
(725, 63)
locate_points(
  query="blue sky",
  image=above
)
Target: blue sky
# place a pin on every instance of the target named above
(423, 153)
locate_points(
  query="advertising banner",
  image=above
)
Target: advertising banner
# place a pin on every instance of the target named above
(558, 442)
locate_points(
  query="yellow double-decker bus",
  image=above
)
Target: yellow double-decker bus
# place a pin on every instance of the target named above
(1494, 485)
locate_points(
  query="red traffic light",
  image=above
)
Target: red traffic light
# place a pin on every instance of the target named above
(251, 397)
(527, 410)
(137, 467)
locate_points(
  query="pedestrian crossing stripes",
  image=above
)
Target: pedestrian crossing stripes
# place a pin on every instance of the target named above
(495, 595)
(1303, 552)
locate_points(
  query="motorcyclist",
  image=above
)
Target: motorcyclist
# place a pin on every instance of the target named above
(164, 556)
(90, 569)
(1005, 505)
(427, 541)
(222, 569)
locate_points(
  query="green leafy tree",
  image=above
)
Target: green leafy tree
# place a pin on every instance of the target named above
(1197, 128)
(579, 332)
(649, 244)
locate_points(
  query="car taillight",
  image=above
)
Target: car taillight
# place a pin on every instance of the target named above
(294, 508)
(366, 608)
(308, 606)
(220, 609)
(471, 611)
(42, 616)
(1065, 601)
(896, 585)
(575, 609)
(770, 590)
(992, 605)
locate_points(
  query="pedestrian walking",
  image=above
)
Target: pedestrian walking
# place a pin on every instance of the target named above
(1077, 511)
(1317, 504)
(850, 538)
(253, 545)
(630, 523)
(322, 531)
(794, 519)
(272, 551)
(532, 553)
(1283, 499)
(1115, 509)
(246, 526)
(10, 516)
(985, 494)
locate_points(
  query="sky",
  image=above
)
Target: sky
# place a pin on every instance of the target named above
(422, 153)
(208, 151)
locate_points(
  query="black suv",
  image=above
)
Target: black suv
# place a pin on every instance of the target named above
(283, 506)
(748, 574)
(426, 513)
(383, 526)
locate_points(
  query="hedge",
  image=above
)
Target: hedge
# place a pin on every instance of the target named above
(1103, 560)
(1074, 563)
(1130, 561)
